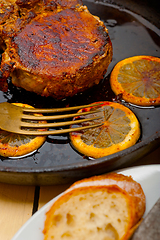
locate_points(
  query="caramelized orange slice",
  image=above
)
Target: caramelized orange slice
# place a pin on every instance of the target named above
(119, 131)
(137, 79)
(15, 145)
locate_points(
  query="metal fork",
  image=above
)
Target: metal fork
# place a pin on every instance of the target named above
(28, 121)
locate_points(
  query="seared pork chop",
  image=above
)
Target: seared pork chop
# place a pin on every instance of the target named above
(57, 52)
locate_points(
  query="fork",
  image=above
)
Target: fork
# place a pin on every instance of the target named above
(23, 120)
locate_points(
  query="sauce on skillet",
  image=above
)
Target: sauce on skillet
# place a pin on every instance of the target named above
(130, 35)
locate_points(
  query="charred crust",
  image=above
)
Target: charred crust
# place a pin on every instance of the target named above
(5, 71)
(50, 5)
(5, 14)
(59, 32)
(26, 3)
(6, 68)
(31, 15)
(62, 3)
(3, 82)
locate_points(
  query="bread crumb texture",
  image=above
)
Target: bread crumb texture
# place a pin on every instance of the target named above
(91, 212)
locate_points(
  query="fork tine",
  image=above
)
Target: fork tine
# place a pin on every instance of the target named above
(56, 132)
(54, 110)
(56, 117)
(12, 120)
(55, 124)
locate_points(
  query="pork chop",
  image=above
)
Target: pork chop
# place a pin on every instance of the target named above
(57, 52)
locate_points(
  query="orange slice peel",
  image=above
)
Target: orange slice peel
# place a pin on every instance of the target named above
(137, 80)
(120, 130)
(16, 145)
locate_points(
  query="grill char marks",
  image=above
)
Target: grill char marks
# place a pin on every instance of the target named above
(59, 41)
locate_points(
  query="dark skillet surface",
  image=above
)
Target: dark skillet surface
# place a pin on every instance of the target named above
(56, 162)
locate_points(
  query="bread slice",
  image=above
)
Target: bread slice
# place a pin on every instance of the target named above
(126, 183)
(91, 209)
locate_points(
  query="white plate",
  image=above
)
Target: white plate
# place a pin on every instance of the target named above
(148, 176)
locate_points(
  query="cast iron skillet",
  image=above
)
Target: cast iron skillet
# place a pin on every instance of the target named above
(134, 30)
